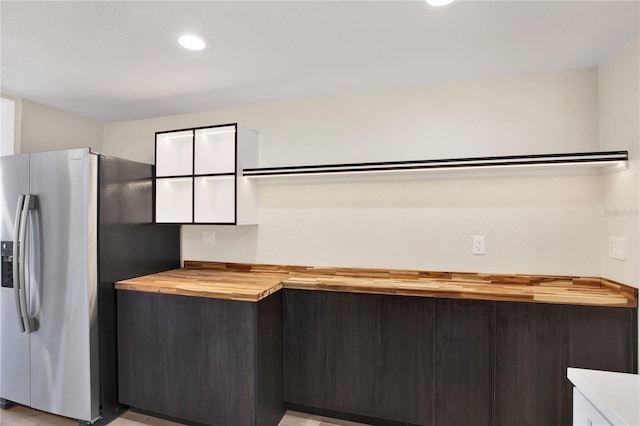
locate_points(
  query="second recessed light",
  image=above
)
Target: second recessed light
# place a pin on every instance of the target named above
(439, 3)
(192, 41)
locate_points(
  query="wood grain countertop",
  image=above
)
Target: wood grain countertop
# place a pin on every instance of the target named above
(232, 285)
(253, 282)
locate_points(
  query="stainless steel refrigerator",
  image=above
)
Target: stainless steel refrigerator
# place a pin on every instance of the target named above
(73, 223)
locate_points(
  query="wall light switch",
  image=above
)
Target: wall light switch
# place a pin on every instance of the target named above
(208, 238)
(616, 248)
(478, 244)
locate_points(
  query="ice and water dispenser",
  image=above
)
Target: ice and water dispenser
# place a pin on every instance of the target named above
(7, 264)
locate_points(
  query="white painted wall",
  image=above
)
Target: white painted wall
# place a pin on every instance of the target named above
(8, 125)
(47, 129)
(619, 101)
(532, 225)
(542, 112)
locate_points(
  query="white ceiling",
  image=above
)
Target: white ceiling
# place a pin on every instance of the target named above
(116, 60)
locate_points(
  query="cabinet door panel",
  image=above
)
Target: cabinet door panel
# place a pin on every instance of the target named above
(596, 338)
(270, 406)
(138, 368)
(406, 356)
(230, 350)
(354, 344)
(182, 356)
(528, 374)
(464, 335)
(305, 336)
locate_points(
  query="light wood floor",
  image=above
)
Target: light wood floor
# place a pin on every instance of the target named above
(22, 416)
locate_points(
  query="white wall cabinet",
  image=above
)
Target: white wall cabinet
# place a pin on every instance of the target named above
(199, 176)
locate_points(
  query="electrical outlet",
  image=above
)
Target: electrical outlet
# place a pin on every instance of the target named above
(478, 244)
(208, 238)
(616, 248)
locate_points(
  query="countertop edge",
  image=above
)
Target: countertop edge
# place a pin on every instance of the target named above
(499, 287)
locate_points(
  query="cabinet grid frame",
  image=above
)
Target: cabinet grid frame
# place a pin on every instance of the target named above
(193, 174)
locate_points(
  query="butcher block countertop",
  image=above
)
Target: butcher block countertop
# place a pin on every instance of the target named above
(252, 282)
(203, 282)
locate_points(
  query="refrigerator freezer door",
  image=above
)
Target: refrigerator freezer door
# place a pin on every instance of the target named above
(62, 268)
(14, 346)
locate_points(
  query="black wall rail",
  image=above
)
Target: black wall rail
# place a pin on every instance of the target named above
(607, 161)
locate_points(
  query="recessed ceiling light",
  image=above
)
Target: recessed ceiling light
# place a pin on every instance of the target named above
(439, 2)
(192, 41)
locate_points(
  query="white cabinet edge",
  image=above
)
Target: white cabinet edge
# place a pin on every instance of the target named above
(615, 395)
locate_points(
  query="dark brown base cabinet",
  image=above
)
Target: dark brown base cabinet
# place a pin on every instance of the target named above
(203, 360)
(426, 361)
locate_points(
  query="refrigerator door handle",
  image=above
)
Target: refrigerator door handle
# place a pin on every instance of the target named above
(28, 205)
(17, 261)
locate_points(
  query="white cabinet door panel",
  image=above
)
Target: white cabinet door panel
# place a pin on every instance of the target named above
(585, 414)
